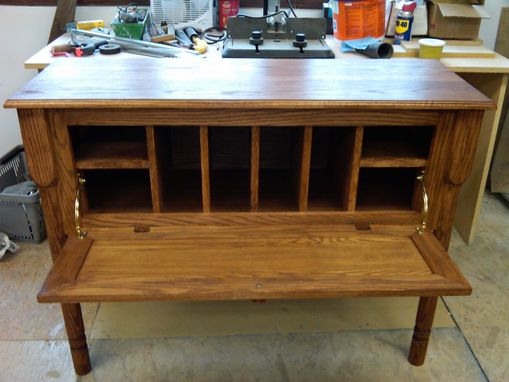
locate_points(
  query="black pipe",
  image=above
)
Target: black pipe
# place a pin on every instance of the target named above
(378, 50)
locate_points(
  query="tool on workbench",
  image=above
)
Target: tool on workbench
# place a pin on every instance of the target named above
(188, 37)
(182, 38)
(87, 49)
(109, 49)
(146, 48)
(79, 48)
(198, 44)
(89, 24)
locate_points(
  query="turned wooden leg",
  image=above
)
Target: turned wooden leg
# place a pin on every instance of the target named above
(77, 339)
(422, 330)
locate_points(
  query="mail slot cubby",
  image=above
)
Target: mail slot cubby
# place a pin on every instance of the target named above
(332, 152)
(396, 146)
(118, 190)
(179, 167)
(387, 188)
(280, 155)
(109, 146)
(229, 161)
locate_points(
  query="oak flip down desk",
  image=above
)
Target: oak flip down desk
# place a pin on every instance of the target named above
(249, 179)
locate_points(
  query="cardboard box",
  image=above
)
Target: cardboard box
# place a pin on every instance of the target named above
(456, 19)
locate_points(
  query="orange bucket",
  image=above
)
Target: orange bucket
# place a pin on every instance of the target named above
(358, 18)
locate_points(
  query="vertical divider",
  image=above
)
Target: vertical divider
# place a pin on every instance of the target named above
(353, 166)
(205, 171)
(304, 168)
(254, 167)
(156, 183)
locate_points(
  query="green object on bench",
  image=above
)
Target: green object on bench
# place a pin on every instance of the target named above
(129, 30)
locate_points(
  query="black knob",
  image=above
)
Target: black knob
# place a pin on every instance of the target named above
(256, 35)
(300, 41)
(256, 39)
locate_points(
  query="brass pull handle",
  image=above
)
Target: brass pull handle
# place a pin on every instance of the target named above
(77, 218)
(424, 214)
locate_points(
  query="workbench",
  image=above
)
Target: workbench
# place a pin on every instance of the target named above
(249, 179)
(486, 72)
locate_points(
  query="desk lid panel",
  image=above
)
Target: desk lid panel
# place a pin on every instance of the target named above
(248, 83)
(269, 261)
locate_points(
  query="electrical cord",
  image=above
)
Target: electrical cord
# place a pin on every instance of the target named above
(212, 38)
(290, 5)
(265, 16)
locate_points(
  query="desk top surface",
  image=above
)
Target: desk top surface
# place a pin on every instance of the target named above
(143, 82)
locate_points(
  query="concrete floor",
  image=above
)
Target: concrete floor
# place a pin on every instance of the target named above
(335, 340)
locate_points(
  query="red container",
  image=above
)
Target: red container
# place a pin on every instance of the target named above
(227, 8)
(358, 18)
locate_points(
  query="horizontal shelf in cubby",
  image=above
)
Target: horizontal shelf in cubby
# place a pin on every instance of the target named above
(109, 147)
(395, 146)
(392, 154)
(107, 155)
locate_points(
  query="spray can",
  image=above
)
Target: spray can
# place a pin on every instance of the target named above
(404, 21)
(227, 8)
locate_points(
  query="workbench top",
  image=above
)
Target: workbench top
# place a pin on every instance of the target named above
(486, 64)
(143, 82)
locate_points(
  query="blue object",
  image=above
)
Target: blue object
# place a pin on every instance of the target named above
(358, 44)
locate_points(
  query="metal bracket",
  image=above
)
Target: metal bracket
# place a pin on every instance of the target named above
(77, 218)
(424, 213)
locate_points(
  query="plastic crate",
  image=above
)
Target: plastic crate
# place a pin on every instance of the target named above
(20, 215)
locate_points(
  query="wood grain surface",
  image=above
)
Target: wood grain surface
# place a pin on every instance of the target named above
(407, 83)
(266, 261)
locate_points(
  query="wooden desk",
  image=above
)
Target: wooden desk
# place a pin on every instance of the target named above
(489, 75)
(251, 183)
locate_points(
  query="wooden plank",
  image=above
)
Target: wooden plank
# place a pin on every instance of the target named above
(254, 167)
(205, 171)
(315, 84)
(499, 175)
(453, 50)
(352, 176)
(437, 258)
(65, 13)
(64, 162)
(246, 117)
(68, 265)
(303, 170)
(128, 220)
(465, 134)
(448, 167)
(156, 182)
(34, 128)
(436, 170)
(472, 192)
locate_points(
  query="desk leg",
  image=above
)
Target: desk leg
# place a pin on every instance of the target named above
(36, 131)
(423, 324)
(77, 339)
(472, 191)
